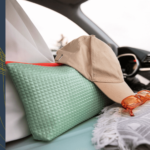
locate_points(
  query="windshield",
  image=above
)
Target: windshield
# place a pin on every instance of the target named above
(126, 22)
(56, 29)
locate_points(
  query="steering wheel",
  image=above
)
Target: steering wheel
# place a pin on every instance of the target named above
(129, 64)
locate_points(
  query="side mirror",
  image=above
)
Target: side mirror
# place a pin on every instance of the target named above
(129, 64)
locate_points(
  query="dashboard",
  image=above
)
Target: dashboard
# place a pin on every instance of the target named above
(135, 65)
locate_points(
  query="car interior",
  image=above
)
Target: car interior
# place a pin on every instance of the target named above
(134, 62)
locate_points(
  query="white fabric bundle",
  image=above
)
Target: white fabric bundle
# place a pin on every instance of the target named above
(23, 44)
(117, 129)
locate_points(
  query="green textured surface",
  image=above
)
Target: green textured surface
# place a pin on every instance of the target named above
(78, 138)
(55, 98)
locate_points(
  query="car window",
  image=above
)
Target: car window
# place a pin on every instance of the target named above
(126, 22)
(56, 29)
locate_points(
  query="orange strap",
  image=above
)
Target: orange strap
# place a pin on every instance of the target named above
(39, 64)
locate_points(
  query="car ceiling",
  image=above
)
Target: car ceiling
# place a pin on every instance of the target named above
(66, 2)
(72, 2)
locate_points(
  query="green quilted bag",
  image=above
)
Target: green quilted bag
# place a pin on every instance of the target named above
(55, 98)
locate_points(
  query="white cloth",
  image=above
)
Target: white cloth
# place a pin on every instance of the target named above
(23, 44)
(117, 130)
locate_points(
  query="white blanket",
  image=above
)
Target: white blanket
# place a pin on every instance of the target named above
(117, 130)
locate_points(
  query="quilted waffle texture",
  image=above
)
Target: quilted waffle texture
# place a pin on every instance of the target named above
(55, 98)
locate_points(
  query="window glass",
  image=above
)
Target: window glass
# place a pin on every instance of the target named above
(127, 22)
(56, 29)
